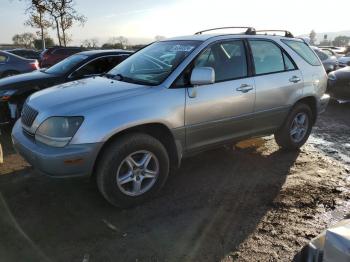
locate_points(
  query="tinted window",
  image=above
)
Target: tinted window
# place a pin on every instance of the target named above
(99, 66)
(66, 65)
(267, 57)
(228, 60)
(303, 50)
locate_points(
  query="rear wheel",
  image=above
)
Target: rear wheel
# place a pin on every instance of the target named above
(296, 129)
(132, 169)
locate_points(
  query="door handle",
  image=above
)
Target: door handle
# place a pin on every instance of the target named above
(294, 79)
(244, 88)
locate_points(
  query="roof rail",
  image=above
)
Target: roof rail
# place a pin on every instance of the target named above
(286, 33)
(249, 30)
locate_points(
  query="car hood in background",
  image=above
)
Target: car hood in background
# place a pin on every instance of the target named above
(343, 73)
(344, 59)
(79, 96)
(25, 80)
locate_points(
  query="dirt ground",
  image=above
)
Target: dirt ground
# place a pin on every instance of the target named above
(253, 203)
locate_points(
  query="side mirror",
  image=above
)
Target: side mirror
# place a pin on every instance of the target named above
(202, 76)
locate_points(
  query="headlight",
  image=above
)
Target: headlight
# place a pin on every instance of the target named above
(58, 131)
(332, 77)
(6, 94)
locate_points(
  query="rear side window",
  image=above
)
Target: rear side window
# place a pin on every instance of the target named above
(303, 50)
(289, 65)
(268, 57)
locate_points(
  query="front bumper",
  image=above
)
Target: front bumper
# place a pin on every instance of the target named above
(72, 160)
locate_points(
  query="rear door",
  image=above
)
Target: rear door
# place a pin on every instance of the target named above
(221, 111)
(278, 83)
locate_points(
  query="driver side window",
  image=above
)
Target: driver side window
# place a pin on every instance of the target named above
(228, 59)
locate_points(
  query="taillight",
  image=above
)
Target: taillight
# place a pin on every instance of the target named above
(35, 65)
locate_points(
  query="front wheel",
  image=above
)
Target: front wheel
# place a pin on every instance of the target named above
(132, 169)
(296, 129)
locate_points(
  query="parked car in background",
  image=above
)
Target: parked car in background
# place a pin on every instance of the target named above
(339, 84)
(330, 63)
(11, 64)
(331, 52)
(336, 49)
(344, 60)
(53, 55)
(15, 90)
(170, 100)
(26, 53)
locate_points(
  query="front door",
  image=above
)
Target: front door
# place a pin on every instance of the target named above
(221, 111)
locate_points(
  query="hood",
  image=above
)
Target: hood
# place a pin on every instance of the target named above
(78, 96)
(24, 80)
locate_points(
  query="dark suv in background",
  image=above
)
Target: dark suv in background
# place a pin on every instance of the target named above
(15, 90)
(53, 55)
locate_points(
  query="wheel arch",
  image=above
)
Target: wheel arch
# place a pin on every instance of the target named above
(156, 130)
(312, 103)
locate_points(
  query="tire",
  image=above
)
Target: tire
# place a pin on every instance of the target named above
(10, 73)
(114, 166)
(287, 136)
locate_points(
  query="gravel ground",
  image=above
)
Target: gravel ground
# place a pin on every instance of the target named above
(251, 203)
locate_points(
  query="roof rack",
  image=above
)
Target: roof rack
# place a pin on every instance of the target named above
(286, 33)
(249, 30)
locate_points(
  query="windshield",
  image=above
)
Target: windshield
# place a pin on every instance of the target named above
(153, 64)
(65, 65)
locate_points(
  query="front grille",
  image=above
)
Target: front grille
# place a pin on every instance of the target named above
(28, 115)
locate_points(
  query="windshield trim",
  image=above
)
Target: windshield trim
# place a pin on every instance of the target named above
(140, 82)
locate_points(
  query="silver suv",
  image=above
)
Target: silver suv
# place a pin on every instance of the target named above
(169, 100)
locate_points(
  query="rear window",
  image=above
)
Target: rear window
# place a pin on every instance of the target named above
(304, 51)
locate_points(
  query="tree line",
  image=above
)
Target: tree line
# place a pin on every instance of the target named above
(59, 15)
(340, 40)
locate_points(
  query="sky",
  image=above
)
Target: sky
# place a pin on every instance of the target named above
(142, 20)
